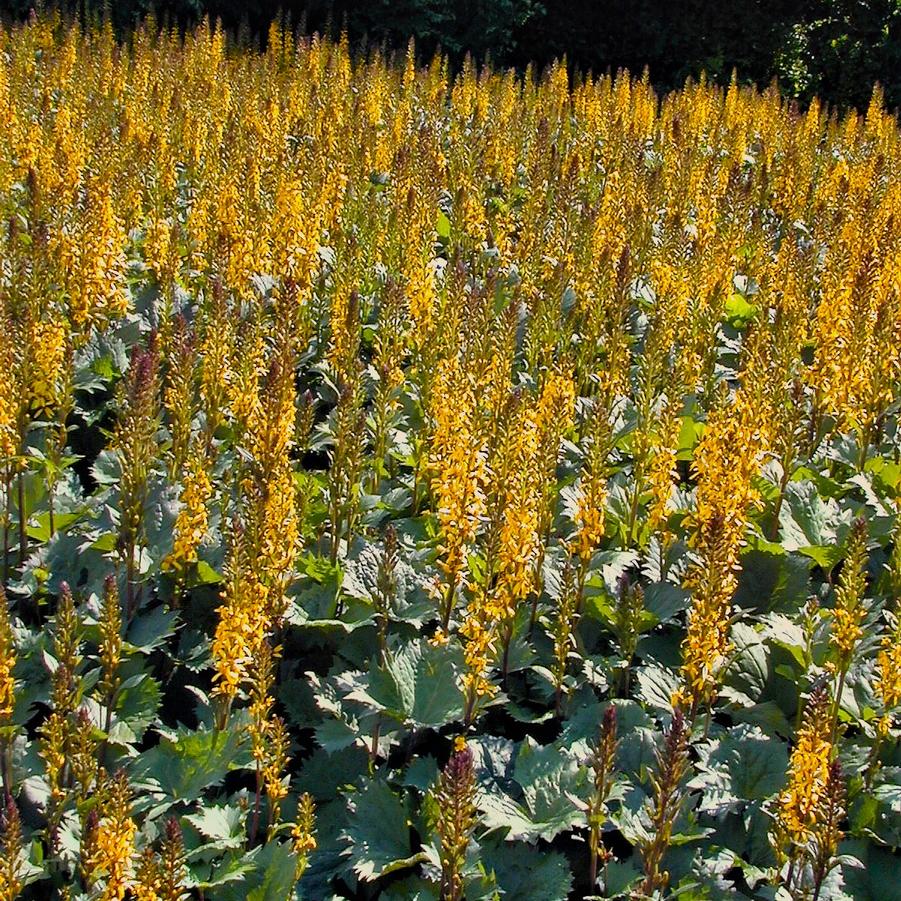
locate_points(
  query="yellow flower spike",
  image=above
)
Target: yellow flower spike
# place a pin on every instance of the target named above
(797, 808)
(47, 352)
(7, 663)
(110, 862)
(850, 608)
(11, 845)
(725, 461)
(458, 465)
(193, 516)
(303, 834)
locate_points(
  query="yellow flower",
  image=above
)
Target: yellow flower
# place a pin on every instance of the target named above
(303, 833)
(457, 464)
(7, 663)
(10, 395)
(94, 260)
(110, 862)
(242, 624)
(47, 353)
(796, 809)
(191, 522)
(849, 601)
(706, 643)
(888, 669)
(726, 460)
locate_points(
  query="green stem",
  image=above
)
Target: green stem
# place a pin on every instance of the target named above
(448, 606)
(633, 508)
(374, 747)
(780, 498)
(50, 507)
(23, 535)
(837, 704)
(129, 579)
(257, 801)
(593, 866)
(416, 475)
(865, 439)
(508, 637)
(7, 522)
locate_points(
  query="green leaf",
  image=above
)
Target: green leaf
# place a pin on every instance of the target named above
(39, 529)
(886, 474)
(336, 734)
(664, 600)
(106, 543)
(221, 875)
(378, 834)
(756, 765)
(443, 226)
(265, 874)
(810, 525)
(549, 778)
(189, 763)
(689, 436)
(824, 557)
(219, 823)
(749, 667)
(738, 312)
(138, 702)
(325, 774)
(151, 630)
(656, 685)
(528, 873)
(419, 684)
(787, 635)
(205, 574)
(421, 773)
(103, 367)
(500, 811)
(771, 579)
(862, 813)
(619, 876)
(277, 862)
(768, 715)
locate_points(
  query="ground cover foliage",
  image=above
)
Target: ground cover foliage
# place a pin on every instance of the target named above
(418, 487)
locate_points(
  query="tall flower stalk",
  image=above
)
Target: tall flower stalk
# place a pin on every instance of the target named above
(135, 444)
(666, 779)
(849, 612)
(797, 810)
(602, 762)
(455, 796)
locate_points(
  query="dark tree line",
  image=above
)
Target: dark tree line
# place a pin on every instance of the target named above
(834, 48)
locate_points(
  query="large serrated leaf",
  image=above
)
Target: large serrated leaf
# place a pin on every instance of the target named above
(378, 834)
(528, 874)
(219, 822)
(268, 875)
(186, 765)
(812, 525)
(419, 684)
(547, 778)
(749, 665)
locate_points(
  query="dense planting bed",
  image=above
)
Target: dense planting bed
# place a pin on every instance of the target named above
(422, 486)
